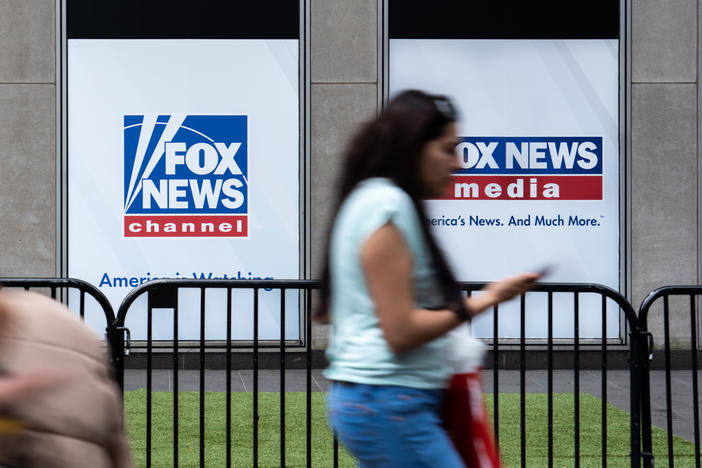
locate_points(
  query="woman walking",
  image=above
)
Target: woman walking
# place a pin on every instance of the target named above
(388, 292)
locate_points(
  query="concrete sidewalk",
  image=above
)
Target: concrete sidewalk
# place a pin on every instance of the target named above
(536, 381)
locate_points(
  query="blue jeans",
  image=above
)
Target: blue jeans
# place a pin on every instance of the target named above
(391, 427)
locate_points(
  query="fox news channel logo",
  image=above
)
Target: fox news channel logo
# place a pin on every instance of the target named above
(185, 176)
(528, 168)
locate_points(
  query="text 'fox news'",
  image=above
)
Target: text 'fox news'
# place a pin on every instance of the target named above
(528, 168)
(185, 176)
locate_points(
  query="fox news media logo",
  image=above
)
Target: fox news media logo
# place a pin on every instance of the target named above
(528, 168)
(185, 176)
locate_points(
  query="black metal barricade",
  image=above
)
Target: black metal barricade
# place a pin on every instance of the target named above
(690, 295)
(635, 364)
(163, 294)
(58, 288)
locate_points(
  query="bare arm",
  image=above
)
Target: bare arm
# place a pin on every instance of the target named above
(387, 265)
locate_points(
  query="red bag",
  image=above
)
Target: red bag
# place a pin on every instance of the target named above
(466, 421)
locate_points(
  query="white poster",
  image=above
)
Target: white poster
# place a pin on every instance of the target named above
(539, 183)
(183, 162)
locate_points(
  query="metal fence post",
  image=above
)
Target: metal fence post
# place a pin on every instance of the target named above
(645, 355)
(115, 341)
(635, 396)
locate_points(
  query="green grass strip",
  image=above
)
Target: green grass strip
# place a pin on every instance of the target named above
(295, 430)
(618, 433)
(241, 429)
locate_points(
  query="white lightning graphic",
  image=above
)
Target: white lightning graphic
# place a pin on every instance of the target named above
(147, 129)
(174, 123)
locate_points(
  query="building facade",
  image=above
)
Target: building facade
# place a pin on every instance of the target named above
(346, 47)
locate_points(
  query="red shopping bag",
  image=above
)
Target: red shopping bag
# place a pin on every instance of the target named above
(466, 421)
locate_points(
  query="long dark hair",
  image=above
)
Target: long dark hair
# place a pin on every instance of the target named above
(390, 146)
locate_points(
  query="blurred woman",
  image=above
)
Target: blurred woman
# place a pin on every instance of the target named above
(388, 292)
(59, 404)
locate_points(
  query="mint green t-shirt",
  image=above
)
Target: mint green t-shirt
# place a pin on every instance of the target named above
(357, 350)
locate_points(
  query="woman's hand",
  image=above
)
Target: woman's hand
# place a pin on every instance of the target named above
(501, 291)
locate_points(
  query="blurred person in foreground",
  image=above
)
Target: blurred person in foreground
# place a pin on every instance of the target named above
(388, 292)
(59, 406)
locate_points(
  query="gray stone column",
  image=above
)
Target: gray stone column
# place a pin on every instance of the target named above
(28, 138)
(664, 154)
(344, 90)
